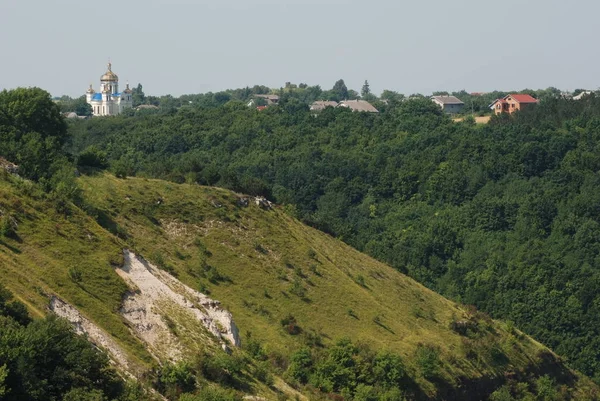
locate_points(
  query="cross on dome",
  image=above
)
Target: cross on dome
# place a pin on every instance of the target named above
(109, 75)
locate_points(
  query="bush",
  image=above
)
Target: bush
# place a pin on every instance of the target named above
(393, 394)
(428, 360)
(463, 327)
(263, 374)
(8, 226)
(290, 325)
(297, 289)
(92, 157)
(388, 369)
(502, 394)
(360, 280)
(364, 392)
(255, 349)
(75, 275)
(174, 380)
(220, 368)
(301, 365)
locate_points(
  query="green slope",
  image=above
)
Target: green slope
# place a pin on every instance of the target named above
(263, 266)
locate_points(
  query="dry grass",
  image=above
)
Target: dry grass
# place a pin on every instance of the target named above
(478, 120)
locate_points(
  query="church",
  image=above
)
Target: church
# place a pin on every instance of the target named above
(109, 101)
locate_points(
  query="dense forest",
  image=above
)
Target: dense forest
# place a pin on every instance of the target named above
(503, 216)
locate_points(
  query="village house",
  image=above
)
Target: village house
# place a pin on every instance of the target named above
(322, 104)
(449, 104)
(359, 105)
(268, 99)
(511, 103)
(582, 95)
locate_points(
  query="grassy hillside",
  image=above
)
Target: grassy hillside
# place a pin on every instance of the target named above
(286, 284)
(266, 266)
(62, 253)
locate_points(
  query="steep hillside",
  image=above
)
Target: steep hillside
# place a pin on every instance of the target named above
(286, 285)
(503, 216)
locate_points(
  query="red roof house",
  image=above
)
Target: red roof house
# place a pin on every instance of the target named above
(511, 103)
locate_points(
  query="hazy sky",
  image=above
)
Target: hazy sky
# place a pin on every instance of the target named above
(186, 46)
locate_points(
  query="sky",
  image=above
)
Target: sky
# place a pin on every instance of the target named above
(195, 46)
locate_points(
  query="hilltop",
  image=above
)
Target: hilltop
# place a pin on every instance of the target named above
(286, 285)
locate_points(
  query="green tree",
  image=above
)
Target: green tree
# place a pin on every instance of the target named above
(365, 92)
(81, 107)
(92, 157)
(392, 97)
(137, 95)
(301, 365)
(340, 90)
(32, 131)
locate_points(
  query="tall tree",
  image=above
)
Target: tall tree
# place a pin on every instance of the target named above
(138, 95)
(366, 90)
(32, 130)
(82, 107)
(340, 89)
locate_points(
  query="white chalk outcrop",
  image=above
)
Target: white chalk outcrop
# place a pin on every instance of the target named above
(161, 309)
(95, 334)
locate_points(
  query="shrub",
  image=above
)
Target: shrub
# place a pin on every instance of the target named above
(213, 275)
(263, 374)
(393, 394)
(463, 327)
(502, 394)
(260, 249)
(388, 369)
(290, 325)
(297, 289)
(220, 368)
(8, 226)
(92, 157)
(313, 339)
(301, 364)
(365, 393)
(75, 275)
(428, 360)
(255, 349)
(174, 380)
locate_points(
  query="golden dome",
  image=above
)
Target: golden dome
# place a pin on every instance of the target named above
(109, 75)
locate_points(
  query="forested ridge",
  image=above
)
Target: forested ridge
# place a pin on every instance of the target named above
(504, 216)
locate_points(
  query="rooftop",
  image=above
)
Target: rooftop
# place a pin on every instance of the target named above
(359, 105)
(447, 99)
(270, 97)
(321, 104)
(523, 98)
